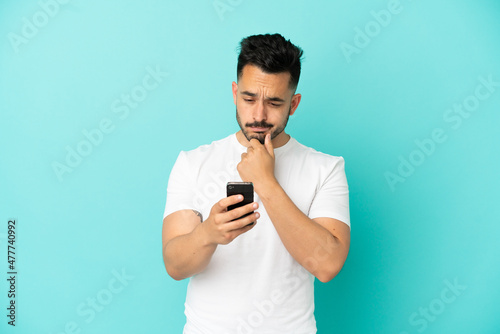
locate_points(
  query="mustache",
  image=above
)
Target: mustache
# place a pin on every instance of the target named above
(262, 124)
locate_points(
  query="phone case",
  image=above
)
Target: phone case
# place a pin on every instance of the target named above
(243, 188)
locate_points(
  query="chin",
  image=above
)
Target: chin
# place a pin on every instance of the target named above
(260, 137)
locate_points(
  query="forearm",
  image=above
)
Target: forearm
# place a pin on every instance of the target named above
(187, 254)
(317, 249)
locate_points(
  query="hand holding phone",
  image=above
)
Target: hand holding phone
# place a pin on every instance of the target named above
(220, 228)
(240, 188)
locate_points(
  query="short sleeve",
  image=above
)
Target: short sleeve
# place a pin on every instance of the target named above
(332, 198)
(180, 190)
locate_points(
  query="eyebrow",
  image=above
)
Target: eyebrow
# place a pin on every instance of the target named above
(273, 98)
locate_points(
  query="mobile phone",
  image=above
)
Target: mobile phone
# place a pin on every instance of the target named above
(240, 188)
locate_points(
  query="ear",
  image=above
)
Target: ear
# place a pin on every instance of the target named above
(295, 103)
(235, 91)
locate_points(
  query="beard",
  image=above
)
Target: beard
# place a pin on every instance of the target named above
(261, 137)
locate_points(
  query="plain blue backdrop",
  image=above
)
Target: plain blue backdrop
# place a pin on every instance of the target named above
(408, 92)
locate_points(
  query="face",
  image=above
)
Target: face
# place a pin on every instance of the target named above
(263, 103)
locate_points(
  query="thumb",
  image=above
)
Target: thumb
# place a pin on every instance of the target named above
(269, 145)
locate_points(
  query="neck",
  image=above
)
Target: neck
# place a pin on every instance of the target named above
(278, 141)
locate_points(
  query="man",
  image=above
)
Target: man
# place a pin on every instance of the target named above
(257, 278)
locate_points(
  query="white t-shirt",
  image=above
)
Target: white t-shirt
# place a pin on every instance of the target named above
(253, 285)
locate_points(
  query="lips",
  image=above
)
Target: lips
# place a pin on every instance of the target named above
(259, 129)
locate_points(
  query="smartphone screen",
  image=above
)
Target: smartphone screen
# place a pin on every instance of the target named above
(242, 188)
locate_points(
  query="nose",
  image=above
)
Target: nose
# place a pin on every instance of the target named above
(260, 112)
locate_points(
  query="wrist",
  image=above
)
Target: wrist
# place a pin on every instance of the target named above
(266, 188)
(202, 236)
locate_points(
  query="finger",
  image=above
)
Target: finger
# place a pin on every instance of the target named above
(241, 211)
(254, 143)
(243, 223)
(245, 228)
(269, 145)
(222, 205)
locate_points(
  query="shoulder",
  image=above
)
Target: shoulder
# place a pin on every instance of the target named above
(316, 157)
(208, 150)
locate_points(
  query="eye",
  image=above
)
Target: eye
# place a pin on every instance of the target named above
(248, 100)
(276, 104)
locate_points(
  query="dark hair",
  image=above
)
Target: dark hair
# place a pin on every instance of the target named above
(272, 54)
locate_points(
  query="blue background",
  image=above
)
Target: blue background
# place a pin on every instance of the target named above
(409, 239)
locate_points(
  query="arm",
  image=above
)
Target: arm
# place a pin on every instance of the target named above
(320, 245)
(188, 244)
(185, 250)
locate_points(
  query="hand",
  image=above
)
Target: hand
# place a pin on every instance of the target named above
(220, 226)
(257, 164)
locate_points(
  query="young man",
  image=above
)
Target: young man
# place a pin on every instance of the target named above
(257, 278)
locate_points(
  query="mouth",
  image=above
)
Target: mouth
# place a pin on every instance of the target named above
(259, 129)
